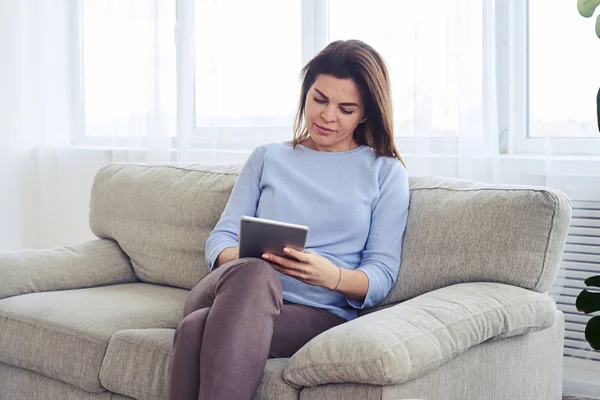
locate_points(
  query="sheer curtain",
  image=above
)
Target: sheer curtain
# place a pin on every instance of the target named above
(103, 76)
(53, 137)
(128, 81)
(35, 108)
(442, 61)
(96, 81)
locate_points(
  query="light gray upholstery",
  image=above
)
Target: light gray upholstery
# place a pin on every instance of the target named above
(127, 351)
(161, 216)
(152, 348)
(457, 231)
(413, 338)
(96, 263)
(506, 369)
(23, 384)
(461, 231)
(95, 321)
(64, 335)
(527, 367)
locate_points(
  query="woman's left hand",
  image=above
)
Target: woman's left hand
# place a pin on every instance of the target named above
(310, 267)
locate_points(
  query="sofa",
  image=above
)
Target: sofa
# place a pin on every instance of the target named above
(469, 317)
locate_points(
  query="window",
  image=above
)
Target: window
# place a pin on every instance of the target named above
(243, 61)
(128, 68)
(554, 58)
(248, 62)
(248, 57)
(564, 65)
(416, 39)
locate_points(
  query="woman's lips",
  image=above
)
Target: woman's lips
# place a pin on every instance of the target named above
(323, 131)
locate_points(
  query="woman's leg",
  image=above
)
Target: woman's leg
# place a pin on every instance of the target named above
(237, 336)
(251, 325)
(185, 373)
(202, 294)
(296, 325)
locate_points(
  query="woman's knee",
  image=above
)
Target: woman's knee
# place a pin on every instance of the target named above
(251, 276)
(256, 268)
(192, 325)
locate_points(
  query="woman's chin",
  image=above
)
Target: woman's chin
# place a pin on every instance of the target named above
(319, 139)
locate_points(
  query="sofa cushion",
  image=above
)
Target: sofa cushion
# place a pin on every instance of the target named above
(95, 263)
(64, 335)
(461, 231)
(457, 230)
(138, 364)
(408, 340)
(161, 216)
(524, 367)
(23, 384)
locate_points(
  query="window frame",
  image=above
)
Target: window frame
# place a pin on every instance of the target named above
(518, 102)
(512, 43)
(314, 37)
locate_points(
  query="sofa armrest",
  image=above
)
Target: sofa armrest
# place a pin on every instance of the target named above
(410, 339)
(95, 263)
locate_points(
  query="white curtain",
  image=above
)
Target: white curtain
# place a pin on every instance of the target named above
(34, 109)
(129, 77)
(442, 61)
(46, 168)
(122, 105)
(61, 123)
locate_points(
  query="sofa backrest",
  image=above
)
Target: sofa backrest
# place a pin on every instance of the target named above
(161, 216)
(462, 231)
(457, 231)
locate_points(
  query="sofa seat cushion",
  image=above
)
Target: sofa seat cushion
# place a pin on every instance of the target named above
(411, 339)
(64, 334)
(138, 364)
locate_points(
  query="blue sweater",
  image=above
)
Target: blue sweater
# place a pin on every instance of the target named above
(355, 206)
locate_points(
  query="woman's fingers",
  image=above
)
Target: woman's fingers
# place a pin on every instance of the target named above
(276, 259)
(298, 255)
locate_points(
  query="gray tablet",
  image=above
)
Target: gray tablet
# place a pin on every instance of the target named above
(260, 235)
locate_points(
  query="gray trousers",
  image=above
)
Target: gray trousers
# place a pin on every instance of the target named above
(234, 320)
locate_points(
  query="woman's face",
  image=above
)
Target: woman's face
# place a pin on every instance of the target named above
(332, 111)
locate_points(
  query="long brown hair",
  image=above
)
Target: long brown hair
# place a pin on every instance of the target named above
(358, 61)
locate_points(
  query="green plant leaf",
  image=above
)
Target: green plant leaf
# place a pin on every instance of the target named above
(588, 302)
(593, 281)
(598, 26)
(592, 332)
(587, 7)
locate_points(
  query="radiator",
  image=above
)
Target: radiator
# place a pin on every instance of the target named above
(581, 260)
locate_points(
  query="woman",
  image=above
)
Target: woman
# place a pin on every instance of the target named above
(341, 176)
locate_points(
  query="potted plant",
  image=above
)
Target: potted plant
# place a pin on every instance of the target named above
(586, 8)
(589, 301)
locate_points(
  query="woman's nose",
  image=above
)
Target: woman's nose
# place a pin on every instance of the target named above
(328, 114)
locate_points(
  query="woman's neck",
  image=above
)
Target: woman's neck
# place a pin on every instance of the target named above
(311, 144)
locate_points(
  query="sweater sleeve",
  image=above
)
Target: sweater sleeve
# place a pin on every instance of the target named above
(242, 201)
(381, 257)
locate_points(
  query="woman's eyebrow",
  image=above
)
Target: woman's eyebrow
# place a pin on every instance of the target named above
(341, 104)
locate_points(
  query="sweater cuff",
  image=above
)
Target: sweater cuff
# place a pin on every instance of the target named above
(216, 249)
(371, 296)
